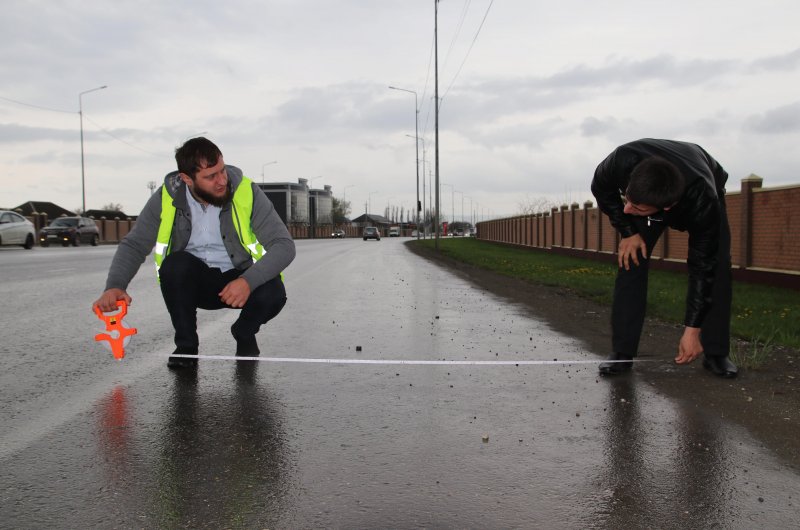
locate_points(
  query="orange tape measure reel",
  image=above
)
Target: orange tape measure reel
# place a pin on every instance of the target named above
(118, 334)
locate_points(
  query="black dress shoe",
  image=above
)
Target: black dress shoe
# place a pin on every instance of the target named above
(246, 345)
(613, 368)
(720, 366)
(181, 363)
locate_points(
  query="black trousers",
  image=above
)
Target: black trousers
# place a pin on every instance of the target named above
(630, 296)
(187, 284)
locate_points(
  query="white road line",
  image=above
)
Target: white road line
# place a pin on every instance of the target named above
(396, 361)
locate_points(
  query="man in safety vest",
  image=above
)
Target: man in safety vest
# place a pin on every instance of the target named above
(218, 243)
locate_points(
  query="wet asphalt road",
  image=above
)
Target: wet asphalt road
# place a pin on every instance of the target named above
(87, 441)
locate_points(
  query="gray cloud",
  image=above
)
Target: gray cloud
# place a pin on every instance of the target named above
(780, 120)
(784, 62)
(15, 133)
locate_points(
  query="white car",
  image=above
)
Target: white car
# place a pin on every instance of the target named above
(16, 230)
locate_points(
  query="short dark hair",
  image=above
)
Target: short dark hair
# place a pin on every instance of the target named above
(655, 182)
(193, 152)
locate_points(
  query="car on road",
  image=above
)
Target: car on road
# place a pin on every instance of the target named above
(394, 231)
(70, 231)
(16, 230)
(459, 232)
(371, 232)
(338, 233)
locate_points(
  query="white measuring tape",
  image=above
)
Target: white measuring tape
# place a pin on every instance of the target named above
(393, 361)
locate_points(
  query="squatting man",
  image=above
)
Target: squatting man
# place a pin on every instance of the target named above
(219, 243)
(645, 186)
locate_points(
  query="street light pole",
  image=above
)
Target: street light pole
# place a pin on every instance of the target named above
(83, 173)
(265, 165)
(344, 199)
(416, 144)
(436, 101)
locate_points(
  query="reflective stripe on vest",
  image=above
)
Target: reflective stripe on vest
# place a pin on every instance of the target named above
(164, 229)
(241, 211)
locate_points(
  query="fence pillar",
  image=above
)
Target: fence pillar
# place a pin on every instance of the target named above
(573, 218)
(748, 184)
(587, 205)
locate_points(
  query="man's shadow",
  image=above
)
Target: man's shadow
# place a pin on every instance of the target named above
(653, 478)
(223, 460)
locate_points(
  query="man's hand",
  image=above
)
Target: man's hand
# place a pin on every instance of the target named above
(236, 293)
(689, 348)
(629, 248)
(108, 300)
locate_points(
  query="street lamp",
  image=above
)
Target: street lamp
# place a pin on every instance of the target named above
(388, 207)
(462, 205)
(452, 200)
(416, 144)
(83, 173)
(344, 200)
(312, 179)
(369, 201)
(265, 165)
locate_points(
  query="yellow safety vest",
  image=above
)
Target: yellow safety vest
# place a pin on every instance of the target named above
(241, 211)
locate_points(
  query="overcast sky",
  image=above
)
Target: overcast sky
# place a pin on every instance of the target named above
(547, 90)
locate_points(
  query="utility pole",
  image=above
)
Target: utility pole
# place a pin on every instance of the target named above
(436, 102)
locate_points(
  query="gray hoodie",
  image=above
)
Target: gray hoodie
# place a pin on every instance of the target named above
(267, 225)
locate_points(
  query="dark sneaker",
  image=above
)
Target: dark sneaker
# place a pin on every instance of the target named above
(246, 345)
(616, 363)
(181, 363)
(720, 366)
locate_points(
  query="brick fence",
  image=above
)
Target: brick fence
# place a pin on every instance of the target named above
(765, 224)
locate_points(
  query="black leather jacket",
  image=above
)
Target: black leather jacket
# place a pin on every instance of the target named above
(697, 212)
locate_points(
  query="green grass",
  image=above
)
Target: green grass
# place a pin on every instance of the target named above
(765, 316)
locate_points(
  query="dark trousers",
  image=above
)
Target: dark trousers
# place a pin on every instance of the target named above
(187, 284)
(630, 296)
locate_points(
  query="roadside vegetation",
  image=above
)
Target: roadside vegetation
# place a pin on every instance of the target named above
(764, 317)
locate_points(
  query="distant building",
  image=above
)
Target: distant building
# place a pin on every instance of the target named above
(370, 219)
(296, 203)
(31, 208)
(108, 214)
(321, 206)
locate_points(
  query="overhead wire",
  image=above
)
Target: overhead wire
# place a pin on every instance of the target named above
(106, 131)
(475, 38)
(38, 106)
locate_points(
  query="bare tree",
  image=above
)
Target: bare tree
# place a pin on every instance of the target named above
(113, 207)
(534, 205)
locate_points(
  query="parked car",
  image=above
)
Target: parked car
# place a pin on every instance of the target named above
(16, 230)
(371, 232)
(70, 231)
(337, 233)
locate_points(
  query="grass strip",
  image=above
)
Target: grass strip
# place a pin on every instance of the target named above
(760, 314)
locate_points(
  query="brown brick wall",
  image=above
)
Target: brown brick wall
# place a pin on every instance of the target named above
(772, 234)
(776, 225)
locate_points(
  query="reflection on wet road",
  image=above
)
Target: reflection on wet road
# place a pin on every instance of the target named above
(89, 442)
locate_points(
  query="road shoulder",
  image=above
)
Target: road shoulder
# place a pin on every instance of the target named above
(765, 401)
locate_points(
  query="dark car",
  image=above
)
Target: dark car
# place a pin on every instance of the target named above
(337, 233)
(371, 232)
(16, 230)
(70, 231)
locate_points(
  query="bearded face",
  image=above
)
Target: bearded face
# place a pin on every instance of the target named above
(210, 184)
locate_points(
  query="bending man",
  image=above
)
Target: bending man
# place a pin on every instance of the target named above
(644, 187)
(218, 243)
